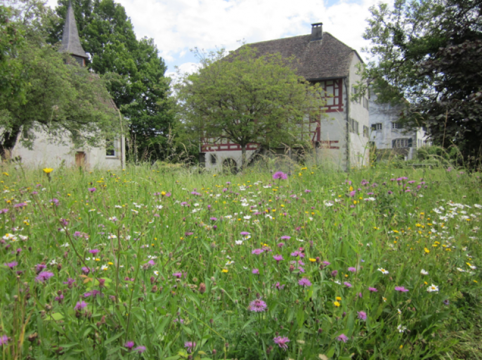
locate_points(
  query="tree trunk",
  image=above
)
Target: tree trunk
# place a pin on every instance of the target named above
(243, 157)
(9, 141)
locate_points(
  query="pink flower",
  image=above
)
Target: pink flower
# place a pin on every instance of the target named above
(257, 305)
(140, 349)
(189, 345)
(177, 275)
(278, 258)
(44, 276)
(401, 289)
(80, 305)
(11, 265)
(362, 315)
(282, 342)
(342, 337)
(129, 345)
(3, 340)
(257, 251)
(280, 175)
(347, 284)
(351, 269)
(372, 289)
(255, 271)
(304, 282)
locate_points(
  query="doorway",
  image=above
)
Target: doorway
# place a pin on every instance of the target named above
(80, 159)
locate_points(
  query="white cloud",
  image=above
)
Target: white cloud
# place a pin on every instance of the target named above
(180, 25)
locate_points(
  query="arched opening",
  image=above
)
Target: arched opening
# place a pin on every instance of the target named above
(230, 166)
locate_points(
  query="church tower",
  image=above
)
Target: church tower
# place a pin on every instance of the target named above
(70, 38)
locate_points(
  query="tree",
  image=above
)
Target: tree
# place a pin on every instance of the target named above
(247, 99)
(11, 37)
(58, 98)
(133, 70)
(428, 55)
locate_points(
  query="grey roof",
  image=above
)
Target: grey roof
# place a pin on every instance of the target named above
(320, 59)
(70, 38)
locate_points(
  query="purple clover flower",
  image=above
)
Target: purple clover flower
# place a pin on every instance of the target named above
(257, 305)
(372, 289)
(282, 342)
(362, 315)
(80, 305)
(278, 258)
(280, 175)
(11, 265)
(351, 269)
(347, 284)
(401, 289)
(342, 337)
(44, 276)
(189, 345)
(257, 251)
(304, 282)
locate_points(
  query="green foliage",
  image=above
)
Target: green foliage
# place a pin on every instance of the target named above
(247, 98)
(428, 56)
(132, 68)
(11, 81)
(58, 98)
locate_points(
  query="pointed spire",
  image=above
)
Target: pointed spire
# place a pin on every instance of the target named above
(70, 38)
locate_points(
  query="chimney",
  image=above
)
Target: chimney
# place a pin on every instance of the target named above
(316, 31)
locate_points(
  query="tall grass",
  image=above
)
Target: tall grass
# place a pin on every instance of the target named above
(160, 263)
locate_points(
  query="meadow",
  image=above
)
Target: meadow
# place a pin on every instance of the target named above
(154, 263)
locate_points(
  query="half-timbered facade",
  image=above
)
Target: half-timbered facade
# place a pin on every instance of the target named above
(341, 138)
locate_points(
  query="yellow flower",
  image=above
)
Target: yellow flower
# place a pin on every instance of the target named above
(48, 170)
(6, 174)
(312, 260)
(336, 303)
(224, 270)
(163, 193)
(338, 298)
(427, 250)
(110, 263)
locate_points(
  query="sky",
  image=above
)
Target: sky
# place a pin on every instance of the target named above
(177, 26)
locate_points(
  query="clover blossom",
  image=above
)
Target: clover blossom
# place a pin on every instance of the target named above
(282, 342)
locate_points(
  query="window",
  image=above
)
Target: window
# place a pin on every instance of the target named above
(402, 143)
(365, 131)
(353, 126)
(396, 125)
(365, 103)
(110, 148)
(377, 126)
(213, 159)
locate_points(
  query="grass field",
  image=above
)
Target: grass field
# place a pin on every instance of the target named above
(150, 263)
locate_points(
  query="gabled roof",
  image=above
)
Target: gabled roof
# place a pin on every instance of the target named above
(70, 37)
(320, 59)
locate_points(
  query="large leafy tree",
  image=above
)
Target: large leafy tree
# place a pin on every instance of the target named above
(58, 98)
(133, 69)
(247, 98)
(427, 56)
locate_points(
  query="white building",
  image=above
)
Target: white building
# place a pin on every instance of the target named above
(389, 137)
(340, 140)
(53, 152)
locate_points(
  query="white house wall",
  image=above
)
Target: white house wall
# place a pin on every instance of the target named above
(47, 153)
(359, 155)
(221, 156)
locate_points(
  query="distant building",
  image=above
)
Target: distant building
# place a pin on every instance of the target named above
(389, 137)
(341, 139)
(48, 151)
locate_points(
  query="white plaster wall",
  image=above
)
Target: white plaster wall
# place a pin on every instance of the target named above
(333, 128)
(48, 153)
(236, 155)
(359, 155)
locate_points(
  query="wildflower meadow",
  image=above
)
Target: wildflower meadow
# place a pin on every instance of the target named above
(148, 263)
